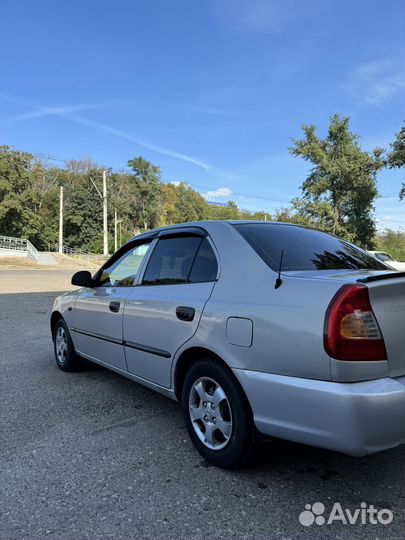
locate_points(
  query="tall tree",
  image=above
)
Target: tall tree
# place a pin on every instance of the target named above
(25, 185)
(83, 208)
(230, 211)
(148, 189)
(393, 242)
(182, 203)
(396, 157)
(340, 190)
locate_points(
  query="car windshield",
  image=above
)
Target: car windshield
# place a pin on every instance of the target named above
(383, 257)
(304, 248)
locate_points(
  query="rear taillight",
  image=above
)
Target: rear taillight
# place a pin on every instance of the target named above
(351, 329)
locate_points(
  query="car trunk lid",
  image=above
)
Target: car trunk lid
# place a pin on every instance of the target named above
(387, 298)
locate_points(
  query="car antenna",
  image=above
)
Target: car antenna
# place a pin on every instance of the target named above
(279, 281)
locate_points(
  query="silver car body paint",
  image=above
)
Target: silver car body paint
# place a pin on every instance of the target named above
(149, 322)
(271, 338)
(93, 316)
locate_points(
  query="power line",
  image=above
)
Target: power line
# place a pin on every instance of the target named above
(194, 186)
(246, 195)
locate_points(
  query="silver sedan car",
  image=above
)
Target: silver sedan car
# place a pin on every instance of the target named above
(256, 328)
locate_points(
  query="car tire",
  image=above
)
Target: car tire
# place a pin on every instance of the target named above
(65, 354)
(217, 415)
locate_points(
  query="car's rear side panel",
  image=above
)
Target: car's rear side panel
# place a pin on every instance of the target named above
(287, 322)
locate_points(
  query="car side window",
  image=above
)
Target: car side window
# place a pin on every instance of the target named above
(186, 259)
(171, 260)
(205, 267)
(122, 272)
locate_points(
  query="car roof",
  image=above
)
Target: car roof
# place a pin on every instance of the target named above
(209, 223)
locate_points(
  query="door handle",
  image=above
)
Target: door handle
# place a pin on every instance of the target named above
(185, 313)
(114, 307)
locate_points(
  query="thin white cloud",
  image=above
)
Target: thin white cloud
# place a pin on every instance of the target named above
(389, 222)
(68, 112)
(49, 111)
(144, 144)
(218, 193)
(373, 83)
(264, 16)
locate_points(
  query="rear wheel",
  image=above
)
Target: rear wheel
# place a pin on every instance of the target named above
(217, 416)
(65, 354)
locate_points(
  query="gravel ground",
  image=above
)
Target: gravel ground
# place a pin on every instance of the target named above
(93, 455)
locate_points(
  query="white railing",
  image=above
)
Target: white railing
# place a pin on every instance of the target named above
(79, 253)
(32, 251)
(19, 244)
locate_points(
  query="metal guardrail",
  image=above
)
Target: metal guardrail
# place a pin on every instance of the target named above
(19, 244)
(32, 251)
(80, 254)
(24, 245)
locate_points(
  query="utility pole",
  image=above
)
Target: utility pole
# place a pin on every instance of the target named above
(61, 220)
(116, 223)
(105, 225)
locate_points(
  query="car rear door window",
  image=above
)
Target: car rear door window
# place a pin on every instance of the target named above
(205, 267)
(185, 259)
(171, 260)
(304, 248)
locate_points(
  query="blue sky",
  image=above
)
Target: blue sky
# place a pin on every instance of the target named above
(210, 90)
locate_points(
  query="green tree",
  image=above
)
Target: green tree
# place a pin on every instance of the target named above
(340, 190)
(27, 197)
(230, 211)
(148, 191)
(181, 204)
(288, 215)
(392, 242)
(396, 157)
(83, 208)
(256, 216)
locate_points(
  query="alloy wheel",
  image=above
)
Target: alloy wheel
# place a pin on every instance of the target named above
(61, 344)
(210, 413)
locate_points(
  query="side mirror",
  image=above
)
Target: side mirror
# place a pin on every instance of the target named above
(83, 279)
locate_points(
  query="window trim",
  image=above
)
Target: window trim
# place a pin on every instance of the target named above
(182, 231)
(179, 233)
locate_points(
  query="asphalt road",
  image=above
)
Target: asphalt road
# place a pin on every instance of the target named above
(93, 455)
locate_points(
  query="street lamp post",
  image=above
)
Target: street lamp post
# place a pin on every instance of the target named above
(61, 220)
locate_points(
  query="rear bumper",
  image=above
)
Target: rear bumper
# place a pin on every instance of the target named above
(354, 418)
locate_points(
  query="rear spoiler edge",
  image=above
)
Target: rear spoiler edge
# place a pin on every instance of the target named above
(381, 276)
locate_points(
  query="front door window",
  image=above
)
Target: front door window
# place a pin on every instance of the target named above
(123, 272)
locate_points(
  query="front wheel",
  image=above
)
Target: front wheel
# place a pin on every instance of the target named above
(65, 354)
(217, 415)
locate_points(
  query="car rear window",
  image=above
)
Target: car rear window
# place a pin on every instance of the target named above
(305, 249)
(383, 257)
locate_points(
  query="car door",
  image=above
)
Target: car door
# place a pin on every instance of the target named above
(99, 310)
(163, 310)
